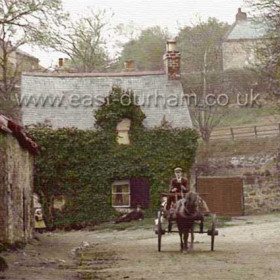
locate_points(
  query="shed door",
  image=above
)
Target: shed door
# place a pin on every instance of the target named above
(223, 195)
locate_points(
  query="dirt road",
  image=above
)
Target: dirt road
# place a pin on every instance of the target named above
(248, 250)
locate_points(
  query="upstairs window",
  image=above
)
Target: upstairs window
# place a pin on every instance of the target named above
(123, 128)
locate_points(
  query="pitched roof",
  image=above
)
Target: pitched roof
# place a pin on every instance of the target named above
(10, 127)
(249, 29)
(23, 53)
(152, 90)
(98, 74)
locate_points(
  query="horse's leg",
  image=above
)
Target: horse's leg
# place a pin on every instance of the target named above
(192, 238)
(169, 226)
(181, 242)
(186, 240)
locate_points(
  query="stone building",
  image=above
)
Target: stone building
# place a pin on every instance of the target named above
(22, 61)
(70, 99)
(27, 62)
(240, 44)
(17, 151)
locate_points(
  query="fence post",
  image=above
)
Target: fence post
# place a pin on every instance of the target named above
(255, 129)
(232, 133)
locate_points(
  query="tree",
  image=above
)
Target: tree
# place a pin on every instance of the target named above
(84, 41)
(267, 13)
(147, 49)
(200, 47)
(22, 22)
(206, 118)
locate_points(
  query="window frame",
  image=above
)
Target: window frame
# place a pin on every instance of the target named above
(121, 183)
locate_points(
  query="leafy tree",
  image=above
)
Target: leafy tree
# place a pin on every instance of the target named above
(84, 41)
(267, 13)
(147, 49)
(200, 46)
(22, 22)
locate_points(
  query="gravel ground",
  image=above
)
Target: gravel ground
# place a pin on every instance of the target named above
(248, 249)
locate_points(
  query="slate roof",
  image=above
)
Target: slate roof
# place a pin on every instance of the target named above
(249, 29)
(10, 127)
(143, 84)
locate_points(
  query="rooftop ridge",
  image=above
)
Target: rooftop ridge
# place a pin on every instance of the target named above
(117, 74)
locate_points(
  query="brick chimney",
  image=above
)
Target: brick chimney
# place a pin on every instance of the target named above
(241, 15)
(172, 60)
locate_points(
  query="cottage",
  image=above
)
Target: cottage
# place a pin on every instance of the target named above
(240, 44)
(70, 99)
(17, 151)
(21, 61)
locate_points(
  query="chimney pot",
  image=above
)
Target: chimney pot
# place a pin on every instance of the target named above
(171, 46)
(129, 65)
(60, 62)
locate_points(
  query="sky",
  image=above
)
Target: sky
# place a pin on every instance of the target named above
(144, 13)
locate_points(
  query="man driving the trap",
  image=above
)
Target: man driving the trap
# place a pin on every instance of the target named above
(177, 185)
(180, 185)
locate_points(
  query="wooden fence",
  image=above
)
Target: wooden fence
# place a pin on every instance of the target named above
(256, 131)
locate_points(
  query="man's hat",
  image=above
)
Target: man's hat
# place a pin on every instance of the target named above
(178, 169)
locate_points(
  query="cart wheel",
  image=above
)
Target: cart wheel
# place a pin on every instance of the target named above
(213, 231)
(159, 230)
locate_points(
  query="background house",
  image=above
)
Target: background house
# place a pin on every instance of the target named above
(240, 44)
(10, 77)
(22, 61)
(27, 62)
(16, 182)
(155, 91)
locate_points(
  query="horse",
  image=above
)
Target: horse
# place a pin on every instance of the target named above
(186, 212)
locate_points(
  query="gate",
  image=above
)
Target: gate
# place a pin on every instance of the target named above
(223, 195)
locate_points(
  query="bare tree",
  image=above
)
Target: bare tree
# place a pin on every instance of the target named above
(85, 40)
(22, 22)
(206, 118)
(200, 45)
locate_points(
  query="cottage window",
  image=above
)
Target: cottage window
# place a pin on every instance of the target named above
(121, 194)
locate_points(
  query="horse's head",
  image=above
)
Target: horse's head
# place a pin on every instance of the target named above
(191, 202)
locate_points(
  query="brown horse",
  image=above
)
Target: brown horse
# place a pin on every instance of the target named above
(187, 211)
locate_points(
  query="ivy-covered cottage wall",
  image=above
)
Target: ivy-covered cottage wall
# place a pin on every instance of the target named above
(81, 165)
(16, 189)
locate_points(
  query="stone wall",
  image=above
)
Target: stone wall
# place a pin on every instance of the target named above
(261, 178)
(238, 54)
(16, 188)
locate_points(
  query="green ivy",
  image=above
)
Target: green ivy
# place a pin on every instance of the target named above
(118, 105)
(81, 165)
